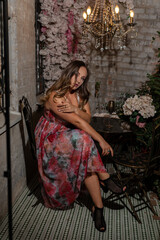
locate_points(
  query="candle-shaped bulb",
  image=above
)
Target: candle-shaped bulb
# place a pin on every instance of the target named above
(84, 16)
(89, 10)
(131, 13)
(131, 16)
(117, 13)
(88, 13)
(116, 9)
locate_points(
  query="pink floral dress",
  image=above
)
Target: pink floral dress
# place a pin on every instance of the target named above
(65, 156)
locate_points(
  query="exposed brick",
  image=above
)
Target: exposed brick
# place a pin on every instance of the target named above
(140, 10)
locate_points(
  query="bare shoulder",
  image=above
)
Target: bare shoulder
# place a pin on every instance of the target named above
(53, 99)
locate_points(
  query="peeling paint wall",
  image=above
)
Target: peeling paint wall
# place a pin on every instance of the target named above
(22, 82)
(22, 51)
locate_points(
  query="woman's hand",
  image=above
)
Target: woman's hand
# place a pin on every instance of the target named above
(106, 148)
(66, 107)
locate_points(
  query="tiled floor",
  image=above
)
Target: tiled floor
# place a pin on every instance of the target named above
(40, 223)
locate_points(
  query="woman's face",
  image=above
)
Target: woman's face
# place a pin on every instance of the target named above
(77, 82)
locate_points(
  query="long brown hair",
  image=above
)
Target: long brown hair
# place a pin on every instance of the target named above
(63, 84)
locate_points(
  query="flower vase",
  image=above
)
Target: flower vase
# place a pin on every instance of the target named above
(111, 107)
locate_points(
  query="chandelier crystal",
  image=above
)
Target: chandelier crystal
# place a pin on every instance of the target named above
(105, 25)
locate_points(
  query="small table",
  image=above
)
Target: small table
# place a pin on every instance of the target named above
(109, 125)
(112, 131)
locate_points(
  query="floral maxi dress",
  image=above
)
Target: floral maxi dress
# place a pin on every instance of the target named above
(65, 156)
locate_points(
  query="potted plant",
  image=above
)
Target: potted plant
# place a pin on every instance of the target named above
(140, 111)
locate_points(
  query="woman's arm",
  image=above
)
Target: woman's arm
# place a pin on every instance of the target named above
(67, 107)
(80, 123)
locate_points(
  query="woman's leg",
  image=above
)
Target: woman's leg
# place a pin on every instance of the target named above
(93, 187)
(92, 184)
(108, 183)
(103, 176)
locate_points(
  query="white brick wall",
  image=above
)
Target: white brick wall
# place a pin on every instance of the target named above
(128, 69)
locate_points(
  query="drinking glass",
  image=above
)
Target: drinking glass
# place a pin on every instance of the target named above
(111, 107)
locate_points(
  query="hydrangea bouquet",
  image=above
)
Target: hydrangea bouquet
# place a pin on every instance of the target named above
(138, 112)
(139, 109)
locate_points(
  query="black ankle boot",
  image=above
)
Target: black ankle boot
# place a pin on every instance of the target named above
(98, 218)
(109, 184)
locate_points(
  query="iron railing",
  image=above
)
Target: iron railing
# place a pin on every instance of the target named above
(5, 105)
(40, 84)
(2, 70)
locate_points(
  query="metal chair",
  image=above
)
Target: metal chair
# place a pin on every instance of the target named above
(26, 111)
(135, 171)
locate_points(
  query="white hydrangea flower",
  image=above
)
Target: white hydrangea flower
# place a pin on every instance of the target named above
(142, 104)
(42, 37)
(43, 52)
(68, 3)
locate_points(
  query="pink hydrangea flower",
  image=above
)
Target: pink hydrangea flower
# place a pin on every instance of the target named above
(139, 124)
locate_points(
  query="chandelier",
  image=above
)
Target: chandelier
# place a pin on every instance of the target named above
(105, 25)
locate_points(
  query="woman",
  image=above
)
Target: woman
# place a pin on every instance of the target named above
(66, 153)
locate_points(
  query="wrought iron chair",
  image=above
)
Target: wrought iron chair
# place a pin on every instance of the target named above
(26, 110)
(27, 113)
(134, 172)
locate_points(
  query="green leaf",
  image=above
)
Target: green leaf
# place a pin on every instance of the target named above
(158, 93)
(97, 85)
